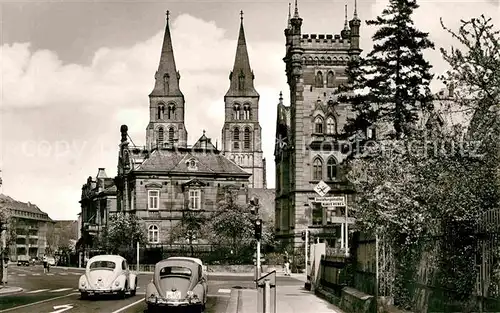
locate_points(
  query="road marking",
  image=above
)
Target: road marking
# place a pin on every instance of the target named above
(37, 291)
(128, 306)
(64, 274)
(75, 273)
(224, 291)
(39, 302)
(62, 289)
(22, 275)
(50, 274)
(36, 274)
(62, 308)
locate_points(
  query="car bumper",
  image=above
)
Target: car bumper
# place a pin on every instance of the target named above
(172, 304)
(100, 291)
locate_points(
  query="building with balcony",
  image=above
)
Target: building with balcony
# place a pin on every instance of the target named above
(29, 229)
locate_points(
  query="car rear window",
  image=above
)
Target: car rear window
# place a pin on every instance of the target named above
(102, 265)
(175, 271)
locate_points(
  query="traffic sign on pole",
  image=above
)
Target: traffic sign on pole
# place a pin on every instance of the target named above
(322, 188)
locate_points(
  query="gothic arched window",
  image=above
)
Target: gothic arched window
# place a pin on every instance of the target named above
(246, 111)
(171, 133)
(318, 125)
(330, 125)
(171, 111)
(317, 169)
(161, 111)
(331, 169)
(160, 135)
(246, 138)
(236, 138)
(330, 78)
(166, 83)
(237, 111)
(319, 80)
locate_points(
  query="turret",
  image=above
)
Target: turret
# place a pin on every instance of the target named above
(354, 25)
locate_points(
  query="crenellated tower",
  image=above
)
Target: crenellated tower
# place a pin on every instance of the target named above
(309, 152)
(166, 126)
(241, 133)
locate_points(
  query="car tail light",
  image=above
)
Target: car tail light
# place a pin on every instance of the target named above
(117, 283)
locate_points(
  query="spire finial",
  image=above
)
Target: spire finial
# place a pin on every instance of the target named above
(345, 21)
(241, 15)
(289, 15)
(168, 15)
(203, 132)
(355, 9)
(281, 95)
(296, 14)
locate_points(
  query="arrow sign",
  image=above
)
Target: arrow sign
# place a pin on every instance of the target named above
(62, 308)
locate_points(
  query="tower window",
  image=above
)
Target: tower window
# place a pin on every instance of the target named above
(166, 83)
(331, 169)
(160, 135)
(171, 133)
(241, 81)
(319, 80)
(246, 111)
(317, 169)
(161, 111)
(318, 125)
(236, 138)
(330, 80)
(171, 111)
(237, 112)
(247, 138)
(330, 126)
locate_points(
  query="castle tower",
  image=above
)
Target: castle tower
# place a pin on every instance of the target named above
(166, 126)
(315, 68)
(241, 133)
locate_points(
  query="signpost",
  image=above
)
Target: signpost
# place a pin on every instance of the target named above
(322, 190)
(266, 296)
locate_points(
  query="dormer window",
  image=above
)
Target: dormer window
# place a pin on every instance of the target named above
(192, 165)
(241, 81)
(166, 83)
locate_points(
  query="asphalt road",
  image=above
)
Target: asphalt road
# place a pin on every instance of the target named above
(57, 291)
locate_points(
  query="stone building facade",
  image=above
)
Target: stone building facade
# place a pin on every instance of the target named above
(29, 227)
(98, 201)
(306, 151)
(167, 178)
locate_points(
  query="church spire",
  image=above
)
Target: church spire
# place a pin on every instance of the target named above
(167, 77)
(241, 77)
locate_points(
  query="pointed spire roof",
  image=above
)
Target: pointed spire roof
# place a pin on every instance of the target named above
(241, 77)
(346, 32)
(167, 77)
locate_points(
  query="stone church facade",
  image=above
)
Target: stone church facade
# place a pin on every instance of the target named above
(167, 178)
(306, 151)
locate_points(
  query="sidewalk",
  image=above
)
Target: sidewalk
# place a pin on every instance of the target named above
(290, 299)
(9, 290)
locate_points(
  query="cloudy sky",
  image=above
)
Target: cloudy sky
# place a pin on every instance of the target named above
(73, 72)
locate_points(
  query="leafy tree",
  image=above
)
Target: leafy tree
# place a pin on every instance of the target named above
(231, 226)
(391, 85)
(122, 233)
(190, 227)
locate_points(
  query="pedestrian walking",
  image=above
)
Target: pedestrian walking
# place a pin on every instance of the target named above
(286, 263)
(45, 263)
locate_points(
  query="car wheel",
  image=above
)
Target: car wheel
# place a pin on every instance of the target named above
(151, 308)
(84, 296)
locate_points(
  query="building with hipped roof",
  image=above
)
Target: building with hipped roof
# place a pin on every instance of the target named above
(30, 228)
(166, 178)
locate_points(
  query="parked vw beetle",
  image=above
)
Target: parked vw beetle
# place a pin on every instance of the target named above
(105, 275)
(178, 282)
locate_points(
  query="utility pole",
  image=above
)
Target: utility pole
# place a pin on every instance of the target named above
(376, 270)
(254, 210)
(137, 256)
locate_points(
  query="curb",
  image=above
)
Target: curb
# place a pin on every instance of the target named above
(235, 302)
(10, 290)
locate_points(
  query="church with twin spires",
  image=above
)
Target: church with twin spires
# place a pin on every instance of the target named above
(167, 178)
